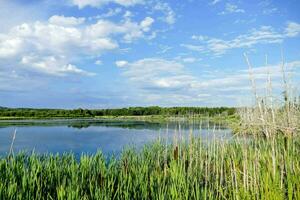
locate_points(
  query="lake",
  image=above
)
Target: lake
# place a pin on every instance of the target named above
(89, 135)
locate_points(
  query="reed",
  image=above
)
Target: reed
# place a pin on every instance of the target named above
(237, 169)
(271, 114)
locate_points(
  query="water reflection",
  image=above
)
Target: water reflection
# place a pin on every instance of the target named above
(109, 136)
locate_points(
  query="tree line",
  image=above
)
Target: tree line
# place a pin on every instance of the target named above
(131, 111)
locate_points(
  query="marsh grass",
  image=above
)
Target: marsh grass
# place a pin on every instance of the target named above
(271, 114)
(237, 169)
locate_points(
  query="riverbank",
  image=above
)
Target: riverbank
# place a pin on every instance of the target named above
(153, 118)
(225, 121)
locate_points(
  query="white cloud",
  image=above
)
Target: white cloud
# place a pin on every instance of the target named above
(44, 36)
(240, 79)
(214, 2)
(189, 59)
(199, 37)
(169, 14)
(263, 35)
(159, 80)
(98, 3)
(10, 46)
(52, 65)
(127, 14)
(166, 15)
(121, 63)
(130, 30)
(267, 7)
(292, 29)
(103, 28)
(198, 48)
(66, 21)
(62, 40)
(163, 48)
(13, 13)
(156, 73)
(231, 8)
(110, 13)
(146, 24)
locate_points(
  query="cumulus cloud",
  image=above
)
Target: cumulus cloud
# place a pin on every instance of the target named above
(51, 47)
(52, 65)
(10, 46)
(98, 3)
(13, 13)
(263, 35)
(130, 30)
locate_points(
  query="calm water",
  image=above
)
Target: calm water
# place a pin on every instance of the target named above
(88, 136)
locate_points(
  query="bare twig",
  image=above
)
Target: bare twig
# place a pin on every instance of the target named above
(11, 151)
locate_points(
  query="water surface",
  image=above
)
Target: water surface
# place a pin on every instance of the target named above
(89, 135)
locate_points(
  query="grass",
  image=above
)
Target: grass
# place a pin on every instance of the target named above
(237, 169)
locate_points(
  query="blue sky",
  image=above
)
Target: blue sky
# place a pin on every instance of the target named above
(119, 53)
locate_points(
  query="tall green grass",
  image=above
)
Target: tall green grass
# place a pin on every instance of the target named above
(243, 168)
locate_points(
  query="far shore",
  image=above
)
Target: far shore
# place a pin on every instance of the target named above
(132, 118)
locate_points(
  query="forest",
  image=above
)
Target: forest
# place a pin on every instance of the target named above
(130, 111)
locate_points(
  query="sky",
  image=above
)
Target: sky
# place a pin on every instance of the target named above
(121, 53)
